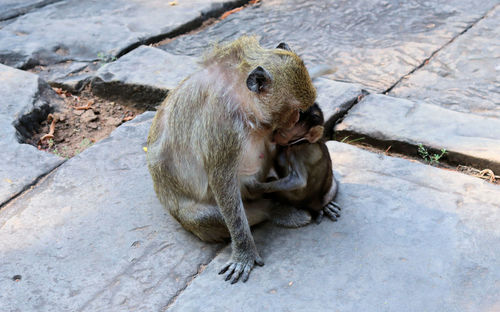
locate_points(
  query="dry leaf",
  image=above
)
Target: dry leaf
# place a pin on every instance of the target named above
(230, 12)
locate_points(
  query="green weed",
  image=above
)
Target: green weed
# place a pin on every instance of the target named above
(432, 159)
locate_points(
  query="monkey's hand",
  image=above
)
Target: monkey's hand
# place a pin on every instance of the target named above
(241, 264)
(332, 211)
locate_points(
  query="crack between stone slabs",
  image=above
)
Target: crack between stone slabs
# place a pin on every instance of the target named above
(406, 150)
(114, 280)
(215, 12)
(27, 188)
(28, 9)
(201, 268)
(339, 116)
(427, 60)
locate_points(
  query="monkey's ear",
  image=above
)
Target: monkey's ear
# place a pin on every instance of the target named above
(284, 46)
(314, 134)
(258, 80)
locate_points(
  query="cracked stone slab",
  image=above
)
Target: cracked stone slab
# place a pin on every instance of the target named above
(373, 43)
(143, 76)
(82, 30)
(469, 139)
(335, 98)
(411, 238)
(464, 76)
(72, 76)
(13, 8)
(25, 101)
(94, 237)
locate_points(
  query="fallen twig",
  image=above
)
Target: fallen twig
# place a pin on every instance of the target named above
(52, 128)
(486, 174)
(86, 106)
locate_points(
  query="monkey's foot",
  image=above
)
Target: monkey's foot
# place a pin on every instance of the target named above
(235, 269)
(290, 217)
(331, 210)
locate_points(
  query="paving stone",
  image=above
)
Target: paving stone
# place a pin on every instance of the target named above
(463, 76)
(411, 238)
(13, 8)
(469, 139)
(87, 30)
(373, 43)
(143, 76)
(94, 237)
(72, 76)
(25, 101)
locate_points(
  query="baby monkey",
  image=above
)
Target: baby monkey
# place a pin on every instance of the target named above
(304, 168)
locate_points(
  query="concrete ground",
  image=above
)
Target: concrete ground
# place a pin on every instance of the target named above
(89, 234)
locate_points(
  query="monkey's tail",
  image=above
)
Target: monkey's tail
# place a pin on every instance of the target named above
(317, 71)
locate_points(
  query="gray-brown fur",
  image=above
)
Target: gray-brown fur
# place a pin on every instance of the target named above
(207, 138)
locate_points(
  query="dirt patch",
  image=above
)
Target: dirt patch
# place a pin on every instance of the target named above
(84, 120)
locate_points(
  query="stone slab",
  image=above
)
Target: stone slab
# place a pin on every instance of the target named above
(464, 76)
(469, 139)
(87, 30)
(143, 76)
(94, 237)
(72, 76)
(13, 8)
(411, 238)
(373, 43)
(25, 100)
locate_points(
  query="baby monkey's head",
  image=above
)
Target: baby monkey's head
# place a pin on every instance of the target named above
(309, 128)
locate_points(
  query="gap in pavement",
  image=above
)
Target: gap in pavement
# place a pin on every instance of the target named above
(426, 61)
(411, 152)
(83, 120)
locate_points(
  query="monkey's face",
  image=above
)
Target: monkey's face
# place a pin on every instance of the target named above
(309, 127)
(282, 85)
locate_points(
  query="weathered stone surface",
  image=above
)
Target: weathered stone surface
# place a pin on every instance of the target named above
(13, 8)
(72, 76)
(335, 98)
(25, 100)
(411, 238)
(93, 236)
(144, 76)
(465, 75)
(403, 124)
(373, 43)
(88, 30)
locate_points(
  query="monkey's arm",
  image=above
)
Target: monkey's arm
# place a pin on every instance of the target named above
(223, 180)
(296, 179)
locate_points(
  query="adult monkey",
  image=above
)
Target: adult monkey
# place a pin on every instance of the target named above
(210, 135)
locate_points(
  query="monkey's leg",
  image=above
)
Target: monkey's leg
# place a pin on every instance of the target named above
(203, 220)
(288, 216)
(206, 221)
(331, 210)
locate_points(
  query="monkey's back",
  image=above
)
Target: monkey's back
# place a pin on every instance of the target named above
(186, 127)
(315, 160)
